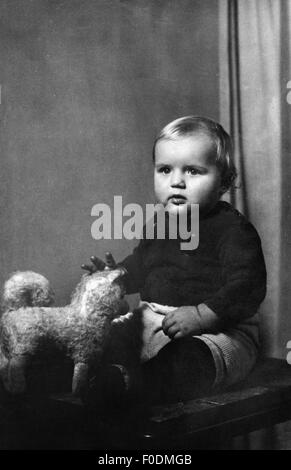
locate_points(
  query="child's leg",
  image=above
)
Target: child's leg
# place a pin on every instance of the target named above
(196, 366)
(184, 369)
(235, 352)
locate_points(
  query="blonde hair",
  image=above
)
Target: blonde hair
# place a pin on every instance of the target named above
(190, 125)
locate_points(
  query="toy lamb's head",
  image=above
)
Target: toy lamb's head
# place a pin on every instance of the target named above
(102, 291)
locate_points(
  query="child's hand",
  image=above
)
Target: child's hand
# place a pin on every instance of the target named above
(98, 264)
(181, 322)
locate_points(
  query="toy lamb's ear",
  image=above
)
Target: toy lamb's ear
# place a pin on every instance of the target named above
(116, 273)
(113, 275)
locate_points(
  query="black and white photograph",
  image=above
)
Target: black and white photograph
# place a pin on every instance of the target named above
(145, 241)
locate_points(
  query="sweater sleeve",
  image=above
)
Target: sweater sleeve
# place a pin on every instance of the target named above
(243, 274)
(134, 279)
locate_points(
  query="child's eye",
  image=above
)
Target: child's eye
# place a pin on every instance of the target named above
(193, 171)
(165, 170)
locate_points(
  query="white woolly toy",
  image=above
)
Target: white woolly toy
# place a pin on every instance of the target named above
(29, 326)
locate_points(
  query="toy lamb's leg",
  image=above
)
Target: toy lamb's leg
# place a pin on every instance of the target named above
(4, 369)
(16, 382)
(80, 377)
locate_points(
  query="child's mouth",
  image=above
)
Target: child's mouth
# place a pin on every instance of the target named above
(177, 199)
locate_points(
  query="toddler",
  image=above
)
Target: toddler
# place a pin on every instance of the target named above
(199, 309)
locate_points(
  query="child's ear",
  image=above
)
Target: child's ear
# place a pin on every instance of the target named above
(222, 190)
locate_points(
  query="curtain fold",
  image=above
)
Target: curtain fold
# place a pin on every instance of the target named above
(254, 70)
(238, 198)
(285, 242)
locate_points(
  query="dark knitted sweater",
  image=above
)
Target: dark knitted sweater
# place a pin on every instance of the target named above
(226, 272)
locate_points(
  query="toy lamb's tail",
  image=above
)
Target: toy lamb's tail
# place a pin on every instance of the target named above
(26, 289)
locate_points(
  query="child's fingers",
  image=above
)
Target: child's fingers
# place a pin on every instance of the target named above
(167, 323)
(178, 335)
(98, 263)
(173, 331)
(86, 267)
(110, 261)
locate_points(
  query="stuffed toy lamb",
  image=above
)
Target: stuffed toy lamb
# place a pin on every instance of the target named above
(29, 326)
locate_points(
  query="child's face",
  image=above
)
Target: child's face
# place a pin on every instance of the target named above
(186, 173)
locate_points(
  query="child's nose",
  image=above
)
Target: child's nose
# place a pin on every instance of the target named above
(177, 180)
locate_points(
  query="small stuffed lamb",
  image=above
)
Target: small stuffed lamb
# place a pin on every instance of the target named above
(29, 325)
